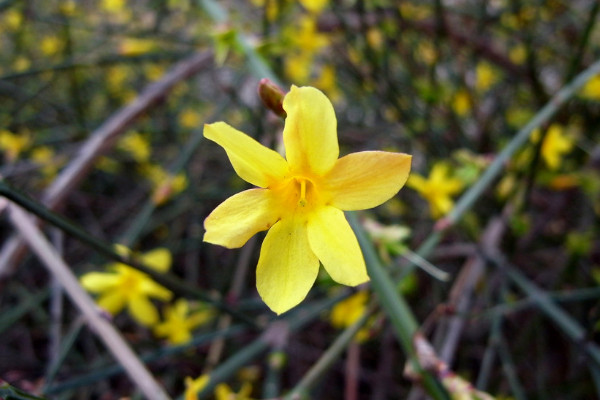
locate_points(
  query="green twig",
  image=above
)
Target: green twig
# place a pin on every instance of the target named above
(9, 392)
(508, 366)
(583, 42)
(497, 166)
(556, 314)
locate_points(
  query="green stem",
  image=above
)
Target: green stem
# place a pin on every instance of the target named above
(397, 309)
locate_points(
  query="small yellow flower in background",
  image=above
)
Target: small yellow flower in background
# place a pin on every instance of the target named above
(348, 311)
(486, 76)
(21, 63)
(461, 102)
(179, 322)
(437, 189)
(116, 77)
(314, 6)
(518, 116)
(375, 38)
(327, 82)
(272, 8)
(305, 42)
(154, 72)
(108, 165)
(426, 52)
(113, 6)
(50, 45)
(126, 286)
(189, 118)
(556, 144)
(68, 7)
(591, 90)
(13, 19)
(44, 157)
(135, 144)
(518, 54)
(165, 185)
(301, 199)
(224, 392)
(13, 144)
(414, 11)
(194, 386)
(135, 46)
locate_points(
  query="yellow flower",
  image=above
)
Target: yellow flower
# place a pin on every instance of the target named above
(314, 6)
(556, 145)
(21, 63)
(437, 189)
(13, 19)
(135, 144)
(165, 185)
(301, 198)
(327, 82)
(348, 311)
(135, 46)
(179, 322)
(518, 54)
(126, 286)
(50, 45)
(461, 102)
(591, 90)
(13, 144)
(113, 6)
(189, 118)
(194, 386)
(44, 157)
(486, 76)
(224, 392)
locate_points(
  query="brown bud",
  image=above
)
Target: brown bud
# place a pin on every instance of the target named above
(272, 96)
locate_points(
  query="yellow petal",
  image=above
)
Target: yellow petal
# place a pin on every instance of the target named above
(97, 282)
(335, 244)
(241, 216)
(252, 161)
(367, 179)
(287, 268)
(142, 310)
(150, 288)
(310, 133)
(112, 301)
(158, 259)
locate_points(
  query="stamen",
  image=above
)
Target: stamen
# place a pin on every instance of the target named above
(302, 201)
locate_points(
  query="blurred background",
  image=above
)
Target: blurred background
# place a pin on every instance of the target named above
(449, 82)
